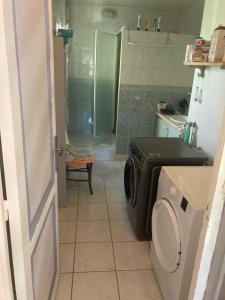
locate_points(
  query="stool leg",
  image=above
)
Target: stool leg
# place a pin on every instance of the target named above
(89, 168)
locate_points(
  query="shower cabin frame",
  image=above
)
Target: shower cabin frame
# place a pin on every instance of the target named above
(96, 136)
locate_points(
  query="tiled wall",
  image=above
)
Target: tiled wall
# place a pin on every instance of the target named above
(137, 106)
(155, 59)
(151, 70)
(85, 19)
(80, 106)
(59, 11)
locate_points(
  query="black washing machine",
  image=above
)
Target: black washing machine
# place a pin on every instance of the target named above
(142, 169)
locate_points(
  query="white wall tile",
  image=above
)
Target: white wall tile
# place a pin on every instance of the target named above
(155, 64)
(82, 71)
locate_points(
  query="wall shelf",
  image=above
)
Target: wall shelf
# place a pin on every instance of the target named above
(203, 65)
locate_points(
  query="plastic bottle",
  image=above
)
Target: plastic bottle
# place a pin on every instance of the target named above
(138, 24)
(158, 24)
(147, 24)
(154, 24)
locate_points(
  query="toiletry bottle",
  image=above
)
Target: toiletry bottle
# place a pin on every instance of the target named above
(138, 24)
(154, 24)
(147, 24)
(158, 24)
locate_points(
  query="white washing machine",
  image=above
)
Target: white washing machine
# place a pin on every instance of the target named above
(176, 224)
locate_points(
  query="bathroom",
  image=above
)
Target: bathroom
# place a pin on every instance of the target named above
(145, 67)
(148, 224)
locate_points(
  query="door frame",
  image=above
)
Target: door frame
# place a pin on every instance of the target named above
(102, 137)
(211, 224)
(6, 286)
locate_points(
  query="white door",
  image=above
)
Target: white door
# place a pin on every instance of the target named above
(27, 130)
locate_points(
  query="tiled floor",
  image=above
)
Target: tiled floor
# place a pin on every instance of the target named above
(100, 258)
(102, 150)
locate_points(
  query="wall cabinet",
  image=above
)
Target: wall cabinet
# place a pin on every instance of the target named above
(164, 129)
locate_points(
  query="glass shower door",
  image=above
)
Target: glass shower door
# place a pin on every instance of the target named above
(104, 84)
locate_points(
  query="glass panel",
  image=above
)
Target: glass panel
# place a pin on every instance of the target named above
(105, 70)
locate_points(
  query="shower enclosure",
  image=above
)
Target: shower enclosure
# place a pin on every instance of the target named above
(104, 85)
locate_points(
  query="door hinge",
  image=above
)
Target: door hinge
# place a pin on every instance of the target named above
(58, 152)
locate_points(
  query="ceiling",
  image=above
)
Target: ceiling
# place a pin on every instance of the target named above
(148, 4)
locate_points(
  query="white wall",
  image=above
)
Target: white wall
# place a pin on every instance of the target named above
(214, 14)
(208, 114)
(209, 118)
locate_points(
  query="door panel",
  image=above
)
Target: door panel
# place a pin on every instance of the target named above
(28, 129)
(35, 84)
(44, 263)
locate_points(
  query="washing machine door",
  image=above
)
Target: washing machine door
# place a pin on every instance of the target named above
(130, 181)
(166, 236)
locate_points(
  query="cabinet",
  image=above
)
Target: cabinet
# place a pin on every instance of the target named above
(164, 129)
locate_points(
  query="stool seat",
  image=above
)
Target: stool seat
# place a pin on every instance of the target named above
(78, 162)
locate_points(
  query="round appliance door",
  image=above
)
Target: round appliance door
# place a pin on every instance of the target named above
(130, 181)
(166, 236)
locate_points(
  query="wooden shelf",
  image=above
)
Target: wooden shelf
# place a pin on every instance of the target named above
(203, 65)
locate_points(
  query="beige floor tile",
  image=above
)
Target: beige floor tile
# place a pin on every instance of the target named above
(93, 231)
(99, 196)
(132, 255)
(68, 213)
(112, 164)
(65, 287)
(95, 286)
(97, 184)
(72, 196)
(115, 195)
(73, 175)
(115, 182)
(109, 166)
(104, 154)
(122, 231)
(123, 162)
(94, 257)
(73, 185)
(66, 257)
(138, 285)
(117, 210)
(107, 169)
(121, 157)
(92, 211)
(67, 231)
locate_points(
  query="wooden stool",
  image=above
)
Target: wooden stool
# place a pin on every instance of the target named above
(77, 165)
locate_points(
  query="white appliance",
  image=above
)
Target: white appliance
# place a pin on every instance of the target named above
(176, 224)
